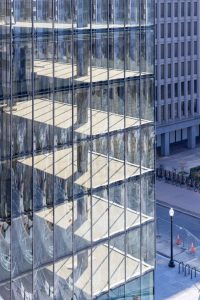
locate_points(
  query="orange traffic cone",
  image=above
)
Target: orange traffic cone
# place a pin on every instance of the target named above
(178, 240)
(192, 250)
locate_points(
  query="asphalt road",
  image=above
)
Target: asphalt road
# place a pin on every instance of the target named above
(181, 219)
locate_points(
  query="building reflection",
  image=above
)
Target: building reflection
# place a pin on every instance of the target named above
(77, 149)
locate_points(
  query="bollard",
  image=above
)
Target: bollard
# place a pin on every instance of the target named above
(195, 272)
(187, 266)
(179, 266)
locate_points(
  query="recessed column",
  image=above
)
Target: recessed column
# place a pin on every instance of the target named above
(82, 157)
(82, 106)
(165, 144)
(191, 141)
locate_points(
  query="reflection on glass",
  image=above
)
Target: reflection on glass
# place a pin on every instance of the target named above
(76, 149)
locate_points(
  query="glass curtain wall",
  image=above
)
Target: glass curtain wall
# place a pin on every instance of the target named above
(77, 149)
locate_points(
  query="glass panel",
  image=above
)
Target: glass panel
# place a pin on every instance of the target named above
(147, 290)
(63, 278)
(22, 147)
(22, 287)
(43, 283)
(77, 122)
(5, 156)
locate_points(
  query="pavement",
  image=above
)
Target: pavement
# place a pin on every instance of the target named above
(171, 285)
(180, 198)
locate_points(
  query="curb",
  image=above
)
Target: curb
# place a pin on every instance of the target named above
(179, 209)
(168, 257)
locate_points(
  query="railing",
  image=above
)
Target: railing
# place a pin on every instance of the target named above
(179, 179)
(195, 272)
(187, 269)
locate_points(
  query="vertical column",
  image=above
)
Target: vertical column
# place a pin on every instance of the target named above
(82, 45)
(165, 144)
(191, 133)
(82, 106)
(82, 157)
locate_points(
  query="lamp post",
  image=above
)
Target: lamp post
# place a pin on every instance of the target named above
(171, 262)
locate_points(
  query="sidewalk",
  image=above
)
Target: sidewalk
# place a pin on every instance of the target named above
(179, 198)
(170, 285)
(188, 158)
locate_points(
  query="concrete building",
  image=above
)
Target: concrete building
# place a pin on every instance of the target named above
(177, 73)
(77, 135)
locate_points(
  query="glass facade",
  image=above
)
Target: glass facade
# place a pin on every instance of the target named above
(77, 149)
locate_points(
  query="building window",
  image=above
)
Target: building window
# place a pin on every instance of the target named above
(169, 70)
(182, 109)
(176, 110)
(162, 31)
(169, 50)
(189, 28)
(162, 113)
(169, 14)
(162, 53)
(162, 69)
(169, 30)
(169, 91)
(182, 9)
(176, 69)
(176, 49)
(189, 87)
(195, 28)
(182, 68)
(195, 86)
(169, 111)
(182, 29)
(195, 47)
(162, 10)
(175, 9)
(176, 90)
(189, 107)
(195, 66)
(162, 91)
(189, 48)
(175, 29)
(195, 8)
(182, 48)
(189, 67)
(182, 88)
(195, 106)
(189, 9)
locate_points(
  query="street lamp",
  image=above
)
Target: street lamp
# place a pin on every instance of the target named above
(171, 262)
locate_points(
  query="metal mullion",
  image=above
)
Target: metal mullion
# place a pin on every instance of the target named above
(73, 240)
(33, 95)
(91, 148)
(154, 121)
(53, 139)
(125, 157)
(108, 145)
(10, 124)
(140, 143)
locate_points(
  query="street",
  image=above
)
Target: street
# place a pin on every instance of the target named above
(187, 221)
